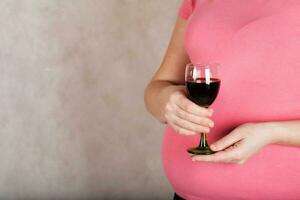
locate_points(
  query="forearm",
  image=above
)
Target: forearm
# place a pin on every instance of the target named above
(156, 96)
(286, 132)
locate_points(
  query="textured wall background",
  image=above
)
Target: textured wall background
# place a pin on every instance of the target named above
(72, 118)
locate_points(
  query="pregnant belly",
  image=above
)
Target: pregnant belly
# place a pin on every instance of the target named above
(273, 173)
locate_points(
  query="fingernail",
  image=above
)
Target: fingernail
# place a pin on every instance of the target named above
(213, 147)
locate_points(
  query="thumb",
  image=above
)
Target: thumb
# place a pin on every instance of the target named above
(226, 141)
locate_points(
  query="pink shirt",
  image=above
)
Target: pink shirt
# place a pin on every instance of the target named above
(257, 43)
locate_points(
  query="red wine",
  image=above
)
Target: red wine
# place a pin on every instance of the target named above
(201, 93)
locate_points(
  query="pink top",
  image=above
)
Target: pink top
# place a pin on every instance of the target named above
(257, 43)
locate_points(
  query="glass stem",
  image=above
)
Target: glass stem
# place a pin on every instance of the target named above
(203, 141)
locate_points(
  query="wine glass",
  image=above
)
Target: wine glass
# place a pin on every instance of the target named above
(202, 85)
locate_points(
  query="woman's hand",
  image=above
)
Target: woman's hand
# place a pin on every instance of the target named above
(186, 117)
(240, 144)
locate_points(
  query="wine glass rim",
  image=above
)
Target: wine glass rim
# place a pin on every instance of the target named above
(204, 64)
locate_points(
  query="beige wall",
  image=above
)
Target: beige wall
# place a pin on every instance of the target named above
(72, 118)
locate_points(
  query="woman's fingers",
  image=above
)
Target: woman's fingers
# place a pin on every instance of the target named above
(230, 155)
(203, 121)
(226, 141)
(238, 145)
(181, 130)
(217, 157)
(187, 105)
(186, 117)
(189, 125)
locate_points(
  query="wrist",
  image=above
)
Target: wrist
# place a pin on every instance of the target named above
(275, 132)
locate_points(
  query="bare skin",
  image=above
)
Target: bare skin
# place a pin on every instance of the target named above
(165, 98)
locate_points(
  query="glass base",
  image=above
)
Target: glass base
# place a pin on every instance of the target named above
(200, 150)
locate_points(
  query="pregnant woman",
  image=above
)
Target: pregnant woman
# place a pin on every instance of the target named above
(254, 124)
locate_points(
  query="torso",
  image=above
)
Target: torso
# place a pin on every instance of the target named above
(257, 43)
